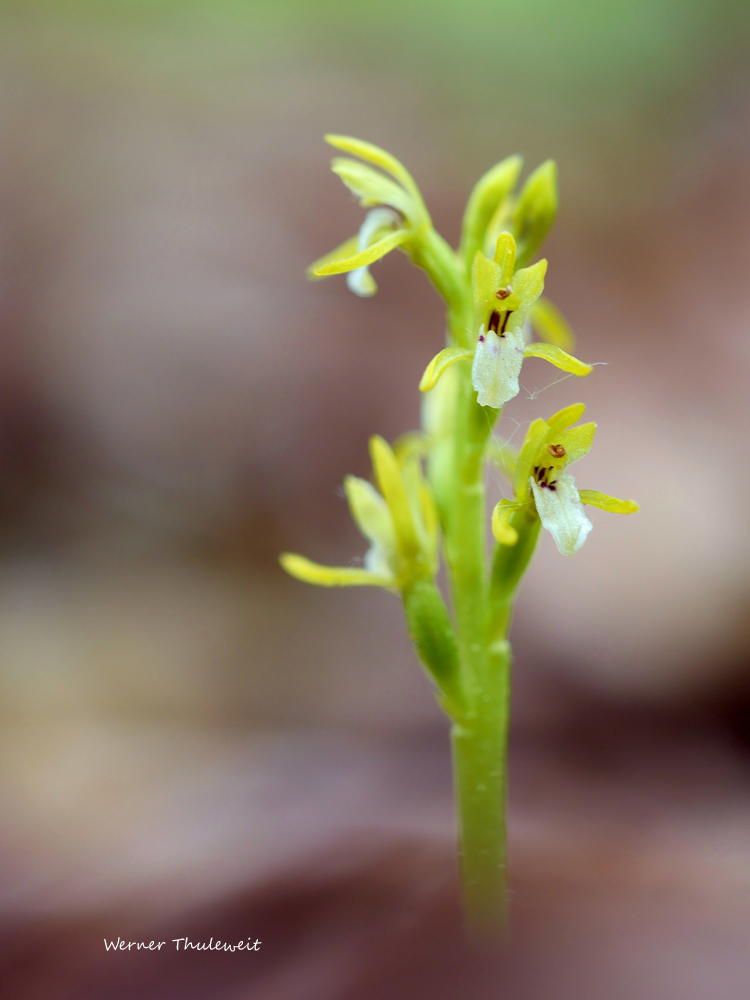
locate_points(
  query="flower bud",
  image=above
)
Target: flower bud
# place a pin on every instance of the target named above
(489, 192)
(536, 211)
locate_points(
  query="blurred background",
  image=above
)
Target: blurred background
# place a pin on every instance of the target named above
(194, 743)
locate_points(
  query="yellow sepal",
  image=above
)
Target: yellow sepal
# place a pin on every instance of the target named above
(378, 249)
(345, 249)
(595, 499)
(370, 512)
(388, 476)
(533, 441)
(439, 363)
(551, 326)
(501, 527)
(331, 576)
(559, 358)
(566, 417)
(374, 154)
(576, 441)
(527, 285)
(372, 187)
(486, 278)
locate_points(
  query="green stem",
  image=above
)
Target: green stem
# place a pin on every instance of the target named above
(433, 255)
(465, 528)
(480, 753)
(480, 746)
(482, 609)
(480, 740)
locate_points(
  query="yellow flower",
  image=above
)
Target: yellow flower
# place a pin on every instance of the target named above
(397, 212)
(492, 209)
(503, 300)
(541, 482)
(400, 522)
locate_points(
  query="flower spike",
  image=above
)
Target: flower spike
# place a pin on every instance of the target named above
(429, 486)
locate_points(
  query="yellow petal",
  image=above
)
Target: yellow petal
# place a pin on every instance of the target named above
(550, 325)
(595, 499)
(374, 154)
(528, 285)
(331, 576)
(501, 528)
(439, 363)
(365, 257)
(370, 512)
(527, 458)
(576, 441)
(372, 187)
(505, 257)
(486, 279)
(559, 358)
(392, 487)
(346, 249)
(565, 417)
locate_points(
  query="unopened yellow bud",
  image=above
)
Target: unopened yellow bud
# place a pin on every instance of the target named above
(536, 211)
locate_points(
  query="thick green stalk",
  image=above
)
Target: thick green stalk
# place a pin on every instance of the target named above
(480, 746)
(465, 528)
(480, 738)
(480, 754)
(482, 608)
(435, 256)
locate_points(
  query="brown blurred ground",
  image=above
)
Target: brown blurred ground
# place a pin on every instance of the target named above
(629, 851)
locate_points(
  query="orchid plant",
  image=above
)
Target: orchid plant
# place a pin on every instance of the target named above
(429, 487)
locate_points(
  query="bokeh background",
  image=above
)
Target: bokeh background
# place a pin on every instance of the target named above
(194, 743)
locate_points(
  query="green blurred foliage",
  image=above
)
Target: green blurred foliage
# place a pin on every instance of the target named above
(578, 79)
(475, 47)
